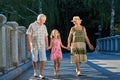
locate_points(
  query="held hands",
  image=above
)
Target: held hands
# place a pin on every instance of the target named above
(68, 48)
(48, 48)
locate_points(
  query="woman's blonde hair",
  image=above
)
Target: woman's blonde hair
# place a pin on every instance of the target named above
(52, 34)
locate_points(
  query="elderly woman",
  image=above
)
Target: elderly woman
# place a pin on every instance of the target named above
(77, 43)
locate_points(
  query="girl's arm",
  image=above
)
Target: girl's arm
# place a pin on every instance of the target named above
(62, 45)
(50, 44)
(87, 40)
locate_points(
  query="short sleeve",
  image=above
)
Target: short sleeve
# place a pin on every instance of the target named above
(46, 32)
(29, 30)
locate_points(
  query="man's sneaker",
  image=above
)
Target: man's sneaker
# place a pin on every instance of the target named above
(42, 77)
(35, 74)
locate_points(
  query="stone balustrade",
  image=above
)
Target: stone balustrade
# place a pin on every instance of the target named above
(110, 45)
(12, 45)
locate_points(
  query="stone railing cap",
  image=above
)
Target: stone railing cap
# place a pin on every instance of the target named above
(22, 28)
(13, 24)
(3, 19)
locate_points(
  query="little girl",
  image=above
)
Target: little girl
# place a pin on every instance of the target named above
(56, 52)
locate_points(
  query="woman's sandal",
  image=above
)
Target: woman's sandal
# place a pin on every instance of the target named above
(79, 74)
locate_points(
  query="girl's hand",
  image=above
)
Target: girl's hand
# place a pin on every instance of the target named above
(68, 48)
(48, 48)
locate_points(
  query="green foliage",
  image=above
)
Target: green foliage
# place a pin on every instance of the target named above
(60, 12)
(117, 29)
(50, 8)
(23, 12)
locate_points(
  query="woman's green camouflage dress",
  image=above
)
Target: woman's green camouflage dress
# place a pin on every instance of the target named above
(78, 46)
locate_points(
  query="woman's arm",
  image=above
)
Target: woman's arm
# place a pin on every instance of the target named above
(87, 40)
(69, 38)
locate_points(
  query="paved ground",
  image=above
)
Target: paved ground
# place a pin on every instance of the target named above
(98, 67)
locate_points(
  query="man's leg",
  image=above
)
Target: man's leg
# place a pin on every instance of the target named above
(42, 58)
(35, 68)
(34, 62)
(42, 63)
(34, 65)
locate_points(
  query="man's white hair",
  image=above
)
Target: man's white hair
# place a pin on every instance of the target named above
(41, 16)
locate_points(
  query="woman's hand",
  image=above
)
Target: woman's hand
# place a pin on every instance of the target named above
(91, 47)
(68, 48)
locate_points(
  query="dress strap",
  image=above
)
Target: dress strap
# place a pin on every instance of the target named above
(73, 29)
(83, 28)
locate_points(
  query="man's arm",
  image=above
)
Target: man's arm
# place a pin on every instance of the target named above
(46, 41)
(29, 42)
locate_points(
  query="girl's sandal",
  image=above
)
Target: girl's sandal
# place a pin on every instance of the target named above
(55, 73)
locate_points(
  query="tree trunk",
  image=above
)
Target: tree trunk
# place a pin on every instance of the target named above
(112, 18)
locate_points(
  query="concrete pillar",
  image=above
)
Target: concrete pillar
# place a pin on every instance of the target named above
(113, 44)
(119, 45)
(1, 48)
(116, 44)
(8, 47)
(14, 42)
(103, 45)
(22, 31)
(3, 63)
(99, 45)
(107, 44)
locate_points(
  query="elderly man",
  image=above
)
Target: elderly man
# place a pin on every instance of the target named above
(37, 37)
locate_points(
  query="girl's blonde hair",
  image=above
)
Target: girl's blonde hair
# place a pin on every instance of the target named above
(52, 34)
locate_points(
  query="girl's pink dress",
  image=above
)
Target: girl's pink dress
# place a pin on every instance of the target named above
(56, 52)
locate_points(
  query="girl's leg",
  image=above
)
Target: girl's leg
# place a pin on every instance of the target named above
(78, 68)
(55, 67)
(58, 65)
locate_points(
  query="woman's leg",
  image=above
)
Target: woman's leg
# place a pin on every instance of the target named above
(78, 68)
